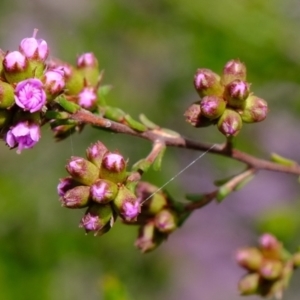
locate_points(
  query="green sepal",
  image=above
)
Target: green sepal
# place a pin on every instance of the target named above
(244, 182)
(102, 93)
(56, 115)
(158, 160)
(195, 197)
(223, 192)
(149, 124)
(142, 165)
(135, 124)
(282, 160)
(67, 105)
(114, 114)
(183, 217)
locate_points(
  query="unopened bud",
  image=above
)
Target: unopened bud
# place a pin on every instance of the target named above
(113, 167)
(165, 221)
(127, 204)
(271, 269)
(236, 92)
(212, 107)
(230, 123)
(149, 238)
(254, 110)
(103, 191)
(234, 69)
(65, 184)
(98, 218)
(77, 197)
(249, 284)
(87, 64)
(7, 98)
(194, 117)
(82, 170)
(249, 258)
(207, 83)
(95, 153)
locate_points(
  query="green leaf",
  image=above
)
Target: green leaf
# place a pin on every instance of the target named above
(158, 161)
(102, 93)
(195, 197)
(67, 105)
(244, 182)
(149, 124)
(282, 160)
(57, 115)
(142, 165)
(223, 192)
(135, 124)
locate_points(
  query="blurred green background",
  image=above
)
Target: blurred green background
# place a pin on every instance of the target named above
(150, 51)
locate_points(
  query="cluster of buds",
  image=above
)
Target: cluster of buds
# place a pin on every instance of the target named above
(226, 100)
(269, 268)
(29, 84)
(99, 183)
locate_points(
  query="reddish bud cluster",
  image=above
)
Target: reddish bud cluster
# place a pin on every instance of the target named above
(225, 100)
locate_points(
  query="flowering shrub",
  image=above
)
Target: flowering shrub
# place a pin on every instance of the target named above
(36, 91)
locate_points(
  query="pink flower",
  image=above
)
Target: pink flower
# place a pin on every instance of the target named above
(34, 48)
(24, 135)
(30, 95)
(87, 98)
(131, 210)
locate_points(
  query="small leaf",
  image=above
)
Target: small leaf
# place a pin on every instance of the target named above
(67, 105)
(149, 124)
(282, 160)
(195, 197)
(223, 192)
(114, 113)
(135, 124)
(102, 93)
(57, 115)
(222, 181)
(158, 161)
(142, 165)
(244, 182)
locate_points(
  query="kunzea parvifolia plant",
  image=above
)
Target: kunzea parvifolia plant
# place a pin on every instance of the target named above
(36, 91)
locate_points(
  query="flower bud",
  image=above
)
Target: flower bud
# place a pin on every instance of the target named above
(87, 64)
(113, 167)
(103, 191)
(249, 258)
(98, 218)
(73, 78)
(16, 67)
(195, 118)
(23, 135)
(155, 203)
(234, 69)
(77, 197)
(87, 98)
(249, 284)
(296, 259)
(95, 153)
(165, 221)
(212, 107)
(271, 269)
(236, 92)
(149, 238)
(270, 246)
(30, 95)
(65, 184)
(207, 83)
(126, 204)
(33, 48)
(54, 83)
(255, 109)
(7, 98)
(230, 123)
(82, 170)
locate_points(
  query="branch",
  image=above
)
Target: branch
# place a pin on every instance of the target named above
(173, 139)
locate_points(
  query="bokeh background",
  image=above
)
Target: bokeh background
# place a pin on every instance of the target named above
(150, 51)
